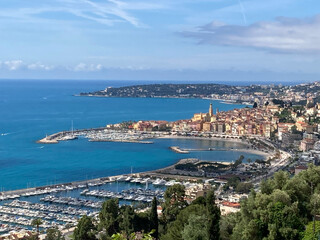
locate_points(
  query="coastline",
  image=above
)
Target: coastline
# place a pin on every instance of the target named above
(178, 150)
(63, 136)
(229, 139)
(224, 101)
(252, 151)
(106, 179)
(56, 137)
(156, 173)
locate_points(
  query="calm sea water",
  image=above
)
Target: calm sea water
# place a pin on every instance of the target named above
(31, 109)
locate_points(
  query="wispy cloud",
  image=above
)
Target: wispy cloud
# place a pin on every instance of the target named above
(115, 8)
(243, 12)
(107, 12)
(282, 35)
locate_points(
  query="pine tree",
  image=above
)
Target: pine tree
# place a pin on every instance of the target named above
(54, 234)
(174, 202)
(214, 214)
(126, 219)
(84, 229)
(108, 216)
(154, 223)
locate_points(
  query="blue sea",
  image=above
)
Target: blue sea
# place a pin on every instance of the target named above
(31, 109)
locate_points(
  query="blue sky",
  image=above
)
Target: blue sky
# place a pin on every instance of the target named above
(240, 40)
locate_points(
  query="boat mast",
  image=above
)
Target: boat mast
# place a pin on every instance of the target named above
(72, 127)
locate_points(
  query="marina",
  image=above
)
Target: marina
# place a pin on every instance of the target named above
(102, 135)
(72, 201)
(49, 107)
(62, 205)
(129, 195)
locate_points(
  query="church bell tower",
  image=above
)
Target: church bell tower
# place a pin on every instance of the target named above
(210, 110)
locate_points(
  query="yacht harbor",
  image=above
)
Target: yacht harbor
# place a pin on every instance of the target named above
(102, 135)
(62, 205)
(133, 194)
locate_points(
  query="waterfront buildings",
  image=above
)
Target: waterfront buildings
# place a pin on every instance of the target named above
(245, 121)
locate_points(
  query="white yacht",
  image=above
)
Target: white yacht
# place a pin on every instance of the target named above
(159, 181)
(121, 178)
(128, 179)
(171, 183)
(145, 181)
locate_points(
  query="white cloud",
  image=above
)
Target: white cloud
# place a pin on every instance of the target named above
(282, 35)
(83, 67)
(40, 66)
(13, 65)
(16, 65)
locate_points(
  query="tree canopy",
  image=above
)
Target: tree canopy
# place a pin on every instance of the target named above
(85, 229)
(284, 208)
(281, 210)
(174, 201)
(54, 234)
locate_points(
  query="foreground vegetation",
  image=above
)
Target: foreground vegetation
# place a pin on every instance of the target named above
(285, 208)
(282, 210)
(199, 220)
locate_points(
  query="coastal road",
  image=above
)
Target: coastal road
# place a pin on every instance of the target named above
(276, 166)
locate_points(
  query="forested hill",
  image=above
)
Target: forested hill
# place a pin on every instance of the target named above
(167, 90)
(296, 94)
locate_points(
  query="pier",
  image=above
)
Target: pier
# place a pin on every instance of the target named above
(179, 150)
(188, 150)
(210, 149)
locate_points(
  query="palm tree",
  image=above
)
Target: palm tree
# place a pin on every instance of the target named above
(36, 223)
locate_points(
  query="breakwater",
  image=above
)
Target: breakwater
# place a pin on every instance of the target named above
(67, 135)
(178, 150)
(102, 135)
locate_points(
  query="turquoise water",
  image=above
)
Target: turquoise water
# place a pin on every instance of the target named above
(31, 109)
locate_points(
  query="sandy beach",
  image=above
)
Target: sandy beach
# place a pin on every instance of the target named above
(253, 151)
(227, 139)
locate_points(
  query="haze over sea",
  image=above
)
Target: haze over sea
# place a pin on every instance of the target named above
(31, 109)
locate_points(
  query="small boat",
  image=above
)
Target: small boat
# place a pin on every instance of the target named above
(159, 182)
(145, 181)
(171, 183)
(128, 179)
(84, 191)
(121, 178)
